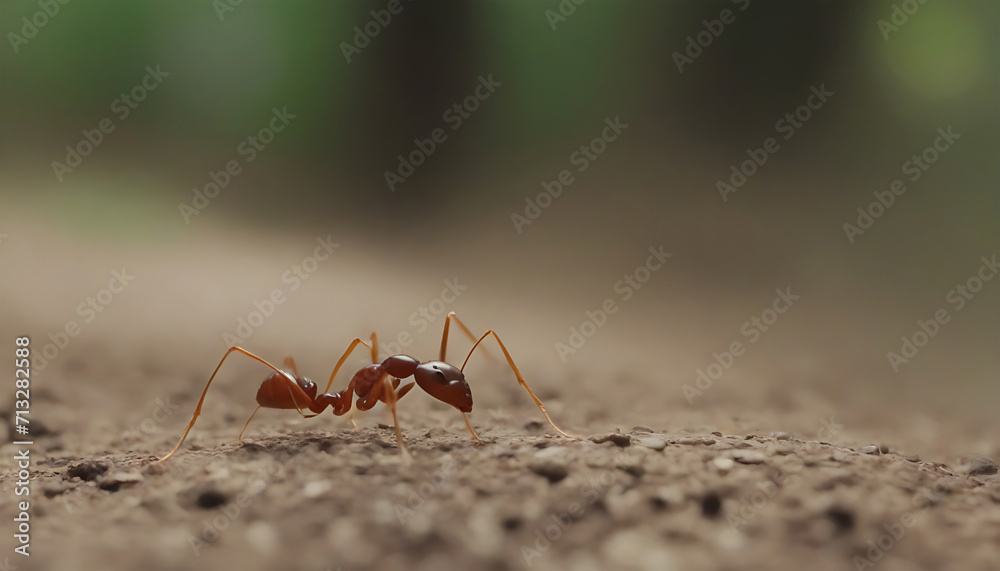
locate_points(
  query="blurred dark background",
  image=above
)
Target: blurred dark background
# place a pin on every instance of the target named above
(230, 66)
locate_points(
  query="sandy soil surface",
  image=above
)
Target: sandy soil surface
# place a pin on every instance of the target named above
(648, 497)
(755, 475)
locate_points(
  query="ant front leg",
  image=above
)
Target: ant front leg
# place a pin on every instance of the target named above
(444, 335)
(350, 349)
(517, 373)
(390, 397)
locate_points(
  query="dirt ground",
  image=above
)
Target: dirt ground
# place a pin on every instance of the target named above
(782, 475)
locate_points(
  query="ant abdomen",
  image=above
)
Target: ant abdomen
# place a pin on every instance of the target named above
(275, 392)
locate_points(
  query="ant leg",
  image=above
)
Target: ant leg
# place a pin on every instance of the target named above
(343, 358)
(389, 396)
(353, 410)
(374, 354)
(517, 373)
(402, 392)
(240, 440)
(397, 394)
(444, 335)
(469, 426)
(201, 401)
(374, 348)
(290, 363)
(295, 402)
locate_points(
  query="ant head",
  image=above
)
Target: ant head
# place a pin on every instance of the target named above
(446, 383)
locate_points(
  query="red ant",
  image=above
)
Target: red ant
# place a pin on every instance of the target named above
(373, 383)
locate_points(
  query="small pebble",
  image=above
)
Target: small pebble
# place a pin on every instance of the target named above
(317, 488)
(749, 457)
(667, 497)
(883, 448)
(870, 449)
(723, 464)
(55, 489)
(550, 463)
(116, 480)
(689, 441)
(262, 536)
(651, 442)
(86, 471)
(636, 470)
(639, 549)
(621, 440)
(717, 433)
(711, 505)
(642, 429)
(843, 518)
(981, 466)
(533, 425)
(781, 436)
(551, 469)
(206, 495)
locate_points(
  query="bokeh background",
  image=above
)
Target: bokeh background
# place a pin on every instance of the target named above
(230, 66)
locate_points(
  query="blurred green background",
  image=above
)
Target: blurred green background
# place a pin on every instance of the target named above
(229, 67)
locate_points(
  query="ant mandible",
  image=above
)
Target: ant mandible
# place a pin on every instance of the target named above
(373, 383)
